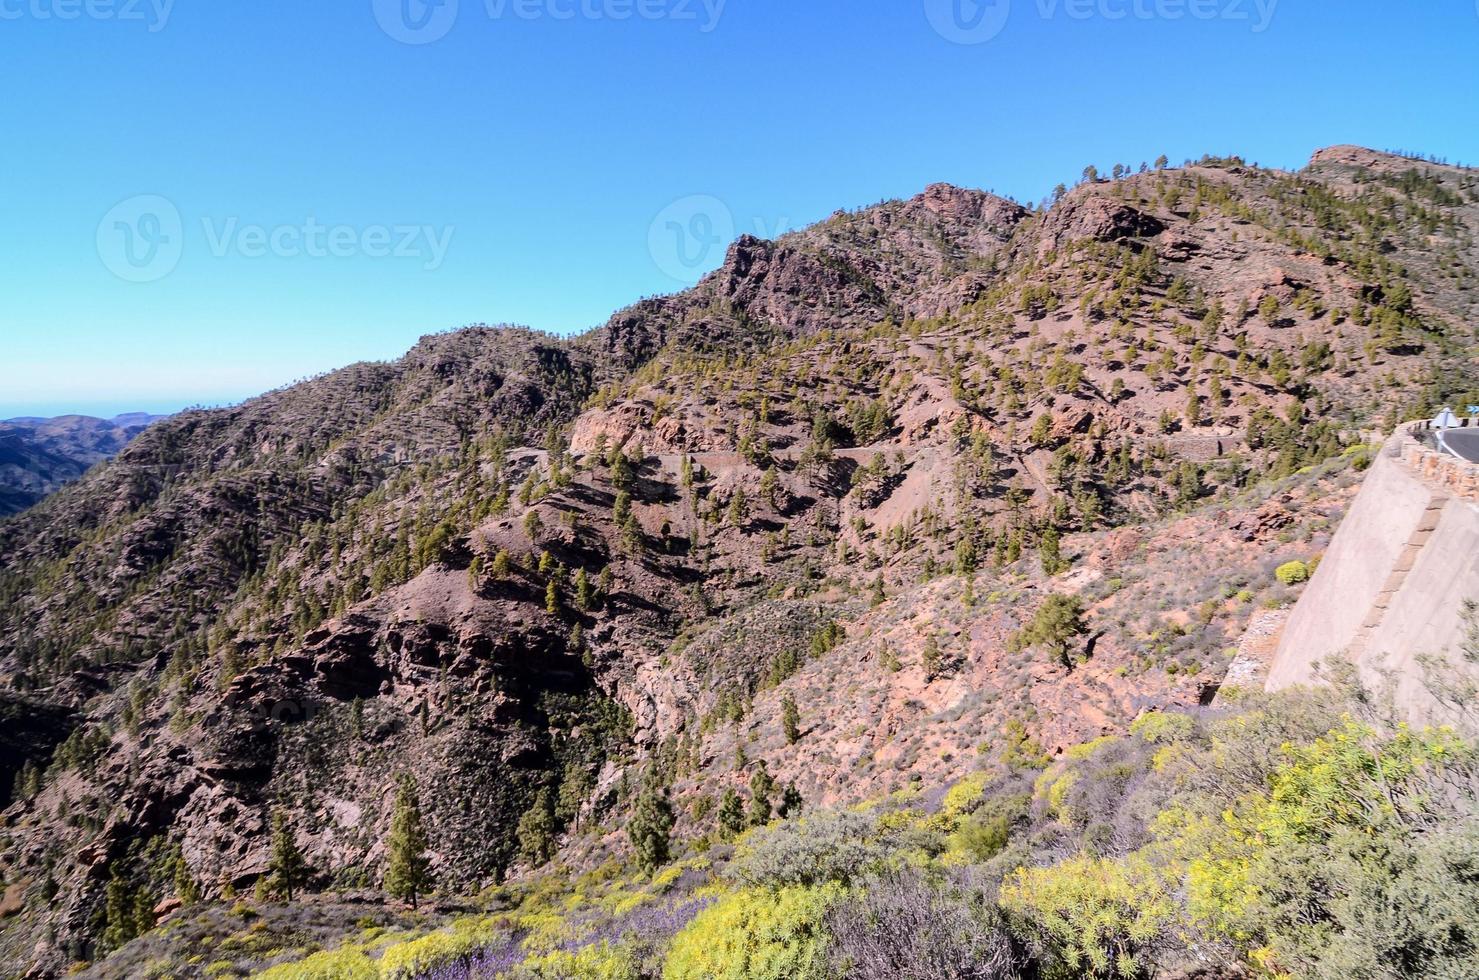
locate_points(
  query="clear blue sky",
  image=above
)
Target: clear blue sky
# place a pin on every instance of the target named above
(546, 137)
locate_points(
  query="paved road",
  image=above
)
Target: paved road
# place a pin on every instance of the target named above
(1465, 442)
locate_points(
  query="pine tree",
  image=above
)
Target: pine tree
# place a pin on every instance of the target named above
(287, 867)
(1055, 626)
(651, 826)
(1050, 550)
(631, 534)
(790, 804)
(143, 911)
(769, 485)
(503, 564)
(575, 785)
(790, 720)
(584, 600)
(118, 912)
(1042, 430)
(537, 829)
(731, 813)
(185, 885)
(621, 469)
(965, 556)
(408, 874)
(761, 786)
(552, 598)
(738, 508)
(1189, 483)
(932, 660)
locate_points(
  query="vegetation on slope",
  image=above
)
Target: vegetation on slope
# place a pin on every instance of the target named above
(1289, 835)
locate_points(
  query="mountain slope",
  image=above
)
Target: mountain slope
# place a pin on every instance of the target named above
(38, 456)
(848, 467)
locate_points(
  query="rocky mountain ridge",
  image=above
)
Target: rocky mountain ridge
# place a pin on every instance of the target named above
(848, 469)
(40, 455)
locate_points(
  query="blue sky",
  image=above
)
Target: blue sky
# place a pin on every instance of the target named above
(299, 187)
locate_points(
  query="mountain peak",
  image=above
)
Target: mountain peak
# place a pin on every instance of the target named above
(1351, 155)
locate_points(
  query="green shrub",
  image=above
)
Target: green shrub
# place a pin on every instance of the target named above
(598, 962)
(1361, 859)
(980, 838)
(1160, 727)
(1292, 573)
(339, 964)
(904, 925)
(965, 795)
(830, 845)
(757, 934)
(417, 956)
(1092, 917)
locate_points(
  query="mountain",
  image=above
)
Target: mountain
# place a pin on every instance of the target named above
(38, 456)
(959, 479)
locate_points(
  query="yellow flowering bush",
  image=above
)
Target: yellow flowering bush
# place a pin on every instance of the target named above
(756, 934)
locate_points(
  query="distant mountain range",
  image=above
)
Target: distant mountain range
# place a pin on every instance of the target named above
(38, 456)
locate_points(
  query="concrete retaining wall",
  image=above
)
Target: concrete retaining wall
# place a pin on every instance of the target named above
(1392, 586)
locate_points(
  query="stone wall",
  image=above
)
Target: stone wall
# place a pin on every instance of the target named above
(1392, 588)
